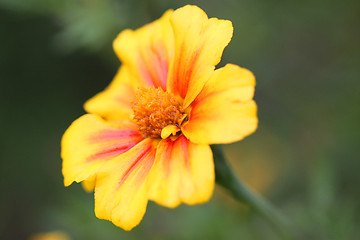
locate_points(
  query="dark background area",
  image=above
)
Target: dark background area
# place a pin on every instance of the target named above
(304, 157)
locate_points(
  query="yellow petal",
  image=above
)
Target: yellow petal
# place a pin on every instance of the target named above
(89, 184)
(90, 141)
(182, 172)
(121, 187)
(114, 102)
(199, 43)
(147, 51)
(169, 130)
(224, 111)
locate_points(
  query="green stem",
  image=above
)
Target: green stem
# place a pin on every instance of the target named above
(226, 177)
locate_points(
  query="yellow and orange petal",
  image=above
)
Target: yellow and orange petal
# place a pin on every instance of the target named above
(169, 130)
(91, 141)
(224, 111)
(199, 43)
(183, 172)
(121, 186)
(147, 51)
(114, 103)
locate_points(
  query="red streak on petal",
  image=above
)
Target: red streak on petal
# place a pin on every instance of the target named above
(139, 158)
(153, 65)
(161, 68)
(145, 72)
(176, 85)
(110, 135)
(166, 157)
(106, 154)
(182, 82)
(185, 149)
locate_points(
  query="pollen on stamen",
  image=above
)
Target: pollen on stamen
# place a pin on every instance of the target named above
(155, 109)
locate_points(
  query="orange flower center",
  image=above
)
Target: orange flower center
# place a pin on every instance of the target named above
(155, 109)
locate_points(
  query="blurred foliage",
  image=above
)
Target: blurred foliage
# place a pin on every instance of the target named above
(304, 156)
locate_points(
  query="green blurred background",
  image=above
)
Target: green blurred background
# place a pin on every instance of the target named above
(304, 157)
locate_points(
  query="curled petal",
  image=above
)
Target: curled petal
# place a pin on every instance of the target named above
(114, 102)
(182, 172)
(224, 111)
(169, 130)
(147, 51)
(199, 43)
(89, 184)
(90, 142)
(121, 187)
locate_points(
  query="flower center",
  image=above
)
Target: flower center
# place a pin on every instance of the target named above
(155, 109)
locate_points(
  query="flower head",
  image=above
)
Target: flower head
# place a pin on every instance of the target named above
(55, 235)
(147, 135)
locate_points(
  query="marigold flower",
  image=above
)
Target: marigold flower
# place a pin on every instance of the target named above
(147, 135)
(55, 235)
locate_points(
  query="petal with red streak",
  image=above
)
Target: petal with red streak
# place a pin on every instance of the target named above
(90, 142)
(147, 51)
(199, 43)
(224, 111)
(182, 172)
(121, 191)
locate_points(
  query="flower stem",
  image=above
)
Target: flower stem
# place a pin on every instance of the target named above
(226, 177)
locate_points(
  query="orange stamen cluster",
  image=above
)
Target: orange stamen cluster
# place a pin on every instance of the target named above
(155, 109)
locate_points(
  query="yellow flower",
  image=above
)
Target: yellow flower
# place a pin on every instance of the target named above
(55, 235)
(147, 135)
